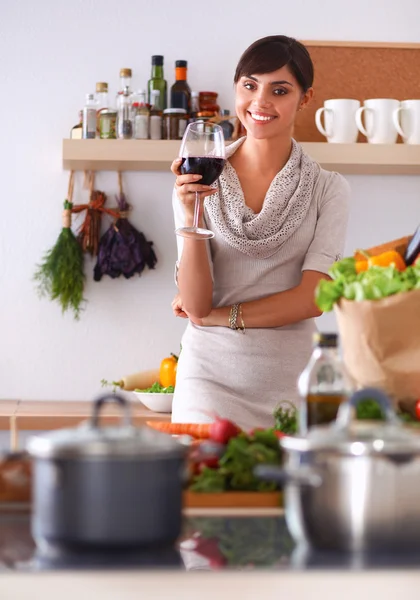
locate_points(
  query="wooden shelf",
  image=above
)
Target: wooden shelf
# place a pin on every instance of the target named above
(156, 155)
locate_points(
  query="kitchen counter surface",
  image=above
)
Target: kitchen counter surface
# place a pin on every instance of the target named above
(251, 555)
(39, 415)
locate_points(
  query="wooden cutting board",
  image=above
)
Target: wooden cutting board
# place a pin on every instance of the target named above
(233, 500)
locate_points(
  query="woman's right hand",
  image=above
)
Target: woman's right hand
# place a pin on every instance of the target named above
(187, 185)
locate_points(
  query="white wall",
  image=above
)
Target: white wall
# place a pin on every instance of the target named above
(52, 53)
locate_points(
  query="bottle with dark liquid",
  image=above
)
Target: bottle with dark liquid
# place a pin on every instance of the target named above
(181, 91)
(323, 385)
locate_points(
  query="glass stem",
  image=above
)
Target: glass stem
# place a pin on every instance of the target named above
(196, 210)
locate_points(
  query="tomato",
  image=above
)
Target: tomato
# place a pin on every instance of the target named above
(208, 463)
(417, 409)
(279, 434)
(167, 371)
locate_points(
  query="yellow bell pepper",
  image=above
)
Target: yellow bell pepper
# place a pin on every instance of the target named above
(167, 371)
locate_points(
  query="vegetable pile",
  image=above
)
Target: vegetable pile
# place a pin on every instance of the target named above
(233, 470)
(375, 278)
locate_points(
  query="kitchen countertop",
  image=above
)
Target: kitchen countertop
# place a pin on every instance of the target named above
(261, 562)
(40, 415)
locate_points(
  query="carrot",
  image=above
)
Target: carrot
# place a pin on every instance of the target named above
(196, 430)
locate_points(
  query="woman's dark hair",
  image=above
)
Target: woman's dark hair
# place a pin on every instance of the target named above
(274, 52)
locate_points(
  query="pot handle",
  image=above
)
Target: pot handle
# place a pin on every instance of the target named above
(301, 477)
(99, 403)
(344, 415)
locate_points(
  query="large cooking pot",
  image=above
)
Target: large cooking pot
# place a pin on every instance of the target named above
(99, 486)
(353, 486)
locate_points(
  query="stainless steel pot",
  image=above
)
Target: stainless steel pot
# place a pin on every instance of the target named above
(353, 486)
(106, 486)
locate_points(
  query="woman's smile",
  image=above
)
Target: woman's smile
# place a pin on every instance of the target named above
(261, 118)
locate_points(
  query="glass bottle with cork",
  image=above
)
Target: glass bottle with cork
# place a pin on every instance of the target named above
(125, 81)
(124, 100)
(157, 82)
(124, 122)
(323, 385)
(155, 123)
(181, 91)
(102, 95)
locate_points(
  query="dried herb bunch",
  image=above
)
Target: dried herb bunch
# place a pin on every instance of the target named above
(123, 250)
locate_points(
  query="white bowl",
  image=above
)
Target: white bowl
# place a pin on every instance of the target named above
(156, 402)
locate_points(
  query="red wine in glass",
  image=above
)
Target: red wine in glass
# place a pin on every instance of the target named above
(208, 167)
(203, 153)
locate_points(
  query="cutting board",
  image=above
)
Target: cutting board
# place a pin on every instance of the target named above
(233, 500)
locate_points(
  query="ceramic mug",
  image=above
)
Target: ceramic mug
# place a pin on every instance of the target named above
(379, 123)
(339, 120)
(407, 121)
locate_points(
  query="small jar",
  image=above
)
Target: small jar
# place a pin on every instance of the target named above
(108, 124)
(174, 123)
(208, 101)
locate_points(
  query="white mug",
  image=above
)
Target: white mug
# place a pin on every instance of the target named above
(407, 121)
(380, 127)
(339, 119)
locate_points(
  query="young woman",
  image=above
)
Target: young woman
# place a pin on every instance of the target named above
(279, 222)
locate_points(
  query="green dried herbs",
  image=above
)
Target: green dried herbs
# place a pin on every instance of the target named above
(60, 276)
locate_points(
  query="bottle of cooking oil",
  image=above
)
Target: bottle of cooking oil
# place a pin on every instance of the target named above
(323, 385)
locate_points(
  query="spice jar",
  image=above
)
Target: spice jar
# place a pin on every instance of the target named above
(174, 123)
(108, 124)
(208, 102)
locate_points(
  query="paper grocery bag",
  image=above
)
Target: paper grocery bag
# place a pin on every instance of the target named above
(381, 343)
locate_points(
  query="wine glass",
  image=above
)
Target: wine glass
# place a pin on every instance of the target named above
(203, 153)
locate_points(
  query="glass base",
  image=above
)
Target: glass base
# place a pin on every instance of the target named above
(195, 233)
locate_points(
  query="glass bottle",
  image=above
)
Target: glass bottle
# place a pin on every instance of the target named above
(181, 91)
(102, 95)
(76, 132)
(157, 82)
(101, 102)
(124, 122)
(227, 126)
(89, 118)
(141, 116)
(195, 106)
(155, 116)
(323, 385)
(125, 83)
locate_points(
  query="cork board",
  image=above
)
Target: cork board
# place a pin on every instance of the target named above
(359, 71)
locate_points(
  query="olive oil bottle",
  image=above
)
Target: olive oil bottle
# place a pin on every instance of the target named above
(157, 82)
(323, 385)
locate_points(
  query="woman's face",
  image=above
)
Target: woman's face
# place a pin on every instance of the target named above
(267, 104)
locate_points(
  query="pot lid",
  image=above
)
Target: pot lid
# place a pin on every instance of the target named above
(90, 440)
(358, 438)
